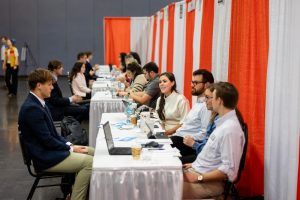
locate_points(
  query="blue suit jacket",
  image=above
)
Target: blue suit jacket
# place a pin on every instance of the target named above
(45, 146)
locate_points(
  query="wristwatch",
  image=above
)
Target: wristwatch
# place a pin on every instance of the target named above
(200, 178)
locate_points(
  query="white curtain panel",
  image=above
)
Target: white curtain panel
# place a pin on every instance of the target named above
(157, 38)
(139, 36)
(197, 34)
(165, 40)
(150, 39)
(283, 101)
(221, 38)
(179, 44)
(197, 38)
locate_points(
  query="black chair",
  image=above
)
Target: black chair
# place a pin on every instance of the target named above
(65, 186)
(229, 187)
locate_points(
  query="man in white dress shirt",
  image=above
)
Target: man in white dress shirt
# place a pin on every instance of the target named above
(196, 121)
(220, 158)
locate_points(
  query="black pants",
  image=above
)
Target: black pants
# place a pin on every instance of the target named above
(11, 79)
(188, 153)
(79, 112)
(184, 149)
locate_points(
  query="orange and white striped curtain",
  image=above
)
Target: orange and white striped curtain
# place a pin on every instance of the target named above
(254, 45)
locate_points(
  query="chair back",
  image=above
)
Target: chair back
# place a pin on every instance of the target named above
(25, 154)
(243, 158)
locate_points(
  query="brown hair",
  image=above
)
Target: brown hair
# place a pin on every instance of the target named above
(39, 75)
(228, 93)
(54, 64)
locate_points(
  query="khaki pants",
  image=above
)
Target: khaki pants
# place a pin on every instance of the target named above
(202, 190)
(80, 164)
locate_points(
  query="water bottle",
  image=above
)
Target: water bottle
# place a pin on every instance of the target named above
(130, 110)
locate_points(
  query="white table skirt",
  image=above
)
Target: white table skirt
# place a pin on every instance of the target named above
(136, 184)
(98, 106)
(121, 177)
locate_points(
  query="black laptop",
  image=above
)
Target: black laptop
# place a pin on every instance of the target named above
(110, 143)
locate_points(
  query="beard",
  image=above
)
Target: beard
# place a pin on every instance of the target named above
(196, 92)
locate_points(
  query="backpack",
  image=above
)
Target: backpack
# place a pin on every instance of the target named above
(72, 131)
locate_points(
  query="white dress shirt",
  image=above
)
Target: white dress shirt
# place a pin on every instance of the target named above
(224, 147)
(175, 110)
(196, 121)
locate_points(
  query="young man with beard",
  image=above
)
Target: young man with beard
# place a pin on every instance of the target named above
(196, 121)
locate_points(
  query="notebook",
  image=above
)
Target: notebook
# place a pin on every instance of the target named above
(110, 143)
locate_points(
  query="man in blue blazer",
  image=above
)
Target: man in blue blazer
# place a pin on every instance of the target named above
(49, 151)
(63, 106)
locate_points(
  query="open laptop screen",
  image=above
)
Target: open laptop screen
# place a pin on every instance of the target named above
(108, 135)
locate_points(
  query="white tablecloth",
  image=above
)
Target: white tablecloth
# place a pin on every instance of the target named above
(100, 86)
(101, 102)
(121, 177)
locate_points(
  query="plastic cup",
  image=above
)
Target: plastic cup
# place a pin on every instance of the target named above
(136, 150)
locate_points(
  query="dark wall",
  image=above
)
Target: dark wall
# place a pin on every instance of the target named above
(59, 29)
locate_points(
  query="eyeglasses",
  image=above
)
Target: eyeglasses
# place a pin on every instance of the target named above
(197, 82)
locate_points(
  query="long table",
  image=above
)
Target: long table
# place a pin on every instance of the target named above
(101, 102)
(159, 176)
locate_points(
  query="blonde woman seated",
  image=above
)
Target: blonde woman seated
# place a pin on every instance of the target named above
(78, 81)
(171, 107)
(138, 79)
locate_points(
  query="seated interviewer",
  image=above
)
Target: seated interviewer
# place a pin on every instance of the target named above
(49, 151)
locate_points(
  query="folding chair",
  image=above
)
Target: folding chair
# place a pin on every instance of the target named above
(42, 175)
(229, 187)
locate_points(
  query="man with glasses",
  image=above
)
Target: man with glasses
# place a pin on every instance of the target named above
(196, 121)
(152, 91)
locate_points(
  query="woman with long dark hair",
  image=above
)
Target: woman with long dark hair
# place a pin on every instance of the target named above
(137, 77)
(78, 81)
(171, 106)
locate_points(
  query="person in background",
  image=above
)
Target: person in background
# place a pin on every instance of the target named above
(2, 55)
(122, 67)
(171, 107)
(138, 80)
(90, 70)
(49, 151)
(81, 57)
(136, 56)
(64, 106)
(151, 93)
(78, 81)
(130, 59)
(3, 47)
(11, 67)
(220, 157)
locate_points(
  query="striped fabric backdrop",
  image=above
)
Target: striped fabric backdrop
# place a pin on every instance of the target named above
(253, 44)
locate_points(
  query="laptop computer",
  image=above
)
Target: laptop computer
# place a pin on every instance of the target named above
(112, 150)
(152, 134)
